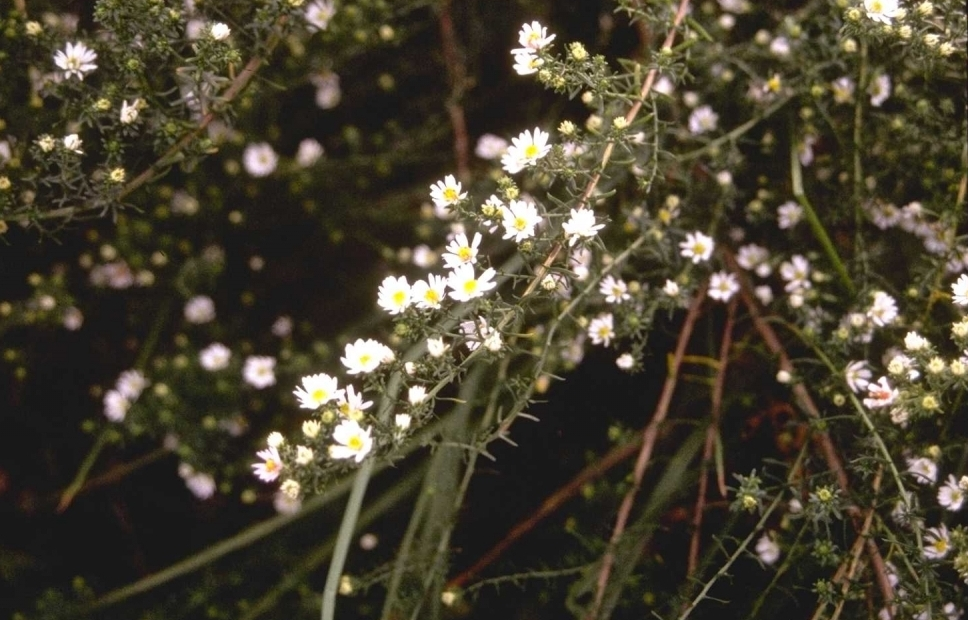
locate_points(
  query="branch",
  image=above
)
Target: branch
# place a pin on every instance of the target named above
(457, 77)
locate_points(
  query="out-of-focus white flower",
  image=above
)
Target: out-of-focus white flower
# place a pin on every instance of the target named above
(259, 371)
(259, 159)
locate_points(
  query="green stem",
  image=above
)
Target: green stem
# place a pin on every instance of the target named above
(816, 225)
(859, 252)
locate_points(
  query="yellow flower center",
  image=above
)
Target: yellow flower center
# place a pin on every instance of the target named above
(877, 7)
(531, 151)
(520, 223)
(432, 297)
(399, 297)
(365, 359)
(318, 395)
(470, 286)
(355, 443)
(464, 253)
(450, 194)
(271, 465)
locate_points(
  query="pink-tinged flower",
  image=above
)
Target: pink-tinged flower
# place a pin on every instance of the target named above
(880, 394)
(271, 465)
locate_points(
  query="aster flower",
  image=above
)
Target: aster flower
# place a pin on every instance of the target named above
(478, 332)
(131, 383)
(767, 550)
(447, 193)
(259, 371)
(394, 294)
(881, 11)
(259, 159)
(215, 356)
(73, 143)
(319, 13)
(722, 286)
(129, 111)
(697, 246)
(924, 470)
(466, 286)
(115, 406)
(879, 89)
(533, 37)
(796, 273)
(76, 60)
(351, 404)
(271, 465)
(788, 214)
(352, 441)
(937, 543)
(703, 119)
(601, 329)
(581, 225)
(883, 309)
(951, 496)
(615, 290)
(858, 376)
(526, 63)
(460, 251)
(199, 309)
(317, 390)
(525, 150)
(219, 31)
(520, 220)
(752, 256)
(428, 294)
(362, 356)
(880, 394)
(959, 291)
(490, 146)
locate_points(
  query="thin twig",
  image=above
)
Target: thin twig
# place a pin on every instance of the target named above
(457, 77)
(649, 436)
(716, 406)
(548, 507)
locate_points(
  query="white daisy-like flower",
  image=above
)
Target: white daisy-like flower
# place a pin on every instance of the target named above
(428, 294)
(520, 220)
(534, 37)
(215, 356)
(526, 63)
(129, 111)
(259, 159)
(352, 441)
(402, 421)
(601, 329)
(722, 286)
(788, 214)
(625, 361)
(328, 90)
(767, 550)
(75, 60)
(951, 496)
(394, 294)
(311, 428)
(447, 192)
(199, 309)
(416, 395)
(317, 390)
(525, 150)
(490, 146)
(671, 288)
(880, 394)
(467, 286)
(259, 371)
(842, 89)
(796, 273)
(879, 89)
(309, 152)
(219, 31)
(131, 383)
(436, 347)
(914, 341)
(924, 470)
(115, 406)
(304, 455)
(697, 247)
(751, 256)
(363, 356)
(459, 251)
(883, 309)
(271, 465)
(858, 376)
(703, 119)
(351, 403)
(72, 142)
(959, 291)
(937, 543)
(479, 332)
(319, 13)
(615, 290)
(581, 225)
(881, 11)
